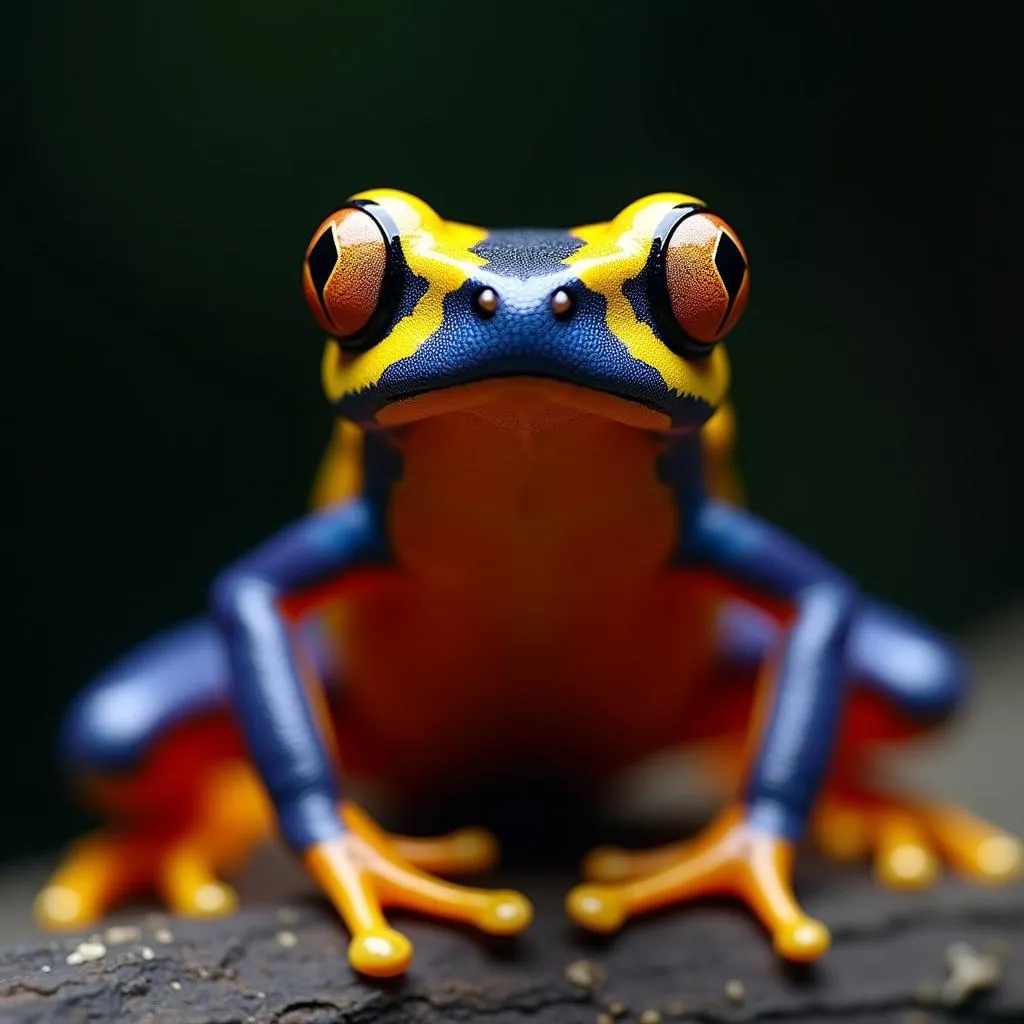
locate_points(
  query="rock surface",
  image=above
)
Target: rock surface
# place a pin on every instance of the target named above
(284, 963)
(888, 963)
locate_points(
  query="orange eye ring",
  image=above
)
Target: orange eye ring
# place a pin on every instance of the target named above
(699, 279)
(351, 273)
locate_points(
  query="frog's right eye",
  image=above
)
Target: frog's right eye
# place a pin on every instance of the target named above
(346, 275)
(699, 280)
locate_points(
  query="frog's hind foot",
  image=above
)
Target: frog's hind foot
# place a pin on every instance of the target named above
(181, 864)
(910, 840)
(105, 869)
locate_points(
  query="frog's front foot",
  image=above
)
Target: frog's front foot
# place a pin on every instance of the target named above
(909, 839)
(366, 870)
(730, 857)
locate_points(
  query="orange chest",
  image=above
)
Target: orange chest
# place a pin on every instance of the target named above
(531, 515)
(533, 617)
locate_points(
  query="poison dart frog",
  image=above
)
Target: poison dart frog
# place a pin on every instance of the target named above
(527, 548)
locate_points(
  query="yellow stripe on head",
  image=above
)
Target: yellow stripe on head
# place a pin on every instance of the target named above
(617, 252)
(634, 307)
(435, 250)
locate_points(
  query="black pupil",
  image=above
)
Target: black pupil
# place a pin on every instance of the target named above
(322, 259)
(731, 267)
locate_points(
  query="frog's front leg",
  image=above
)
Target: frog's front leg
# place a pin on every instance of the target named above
(151, 745)
(748, 850)
(359, 867)
(905, 681)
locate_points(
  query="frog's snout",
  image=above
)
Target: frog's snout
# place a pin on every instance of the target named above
(561, 303)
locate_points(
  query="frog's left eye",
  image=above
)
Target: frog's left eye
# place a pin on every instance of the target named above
(346, 273)
(701, 279)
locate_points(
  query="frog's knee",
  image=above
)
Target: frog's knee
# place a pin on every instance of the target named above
(122, 713)
(942, 683)
(910, 663)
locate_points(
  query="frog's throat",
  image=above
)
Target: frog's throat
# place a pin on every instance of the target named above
(524, 394)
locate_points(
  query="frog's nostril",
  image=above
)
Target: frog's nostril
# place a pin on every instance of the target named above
(486, 300)
(562, 304)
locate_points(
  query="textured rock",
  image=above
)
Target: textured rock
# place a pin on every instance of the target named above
(285, 963)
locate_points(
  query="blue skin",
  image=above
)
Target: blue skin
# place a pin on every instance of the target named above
(833, 626)
(836, 635)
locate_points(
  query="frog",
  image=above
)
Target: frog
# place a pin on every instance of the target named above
(529, 549)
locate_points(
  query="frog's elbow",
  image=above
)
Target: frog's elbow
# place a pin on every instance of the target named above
(240, 598)
(827, 611)
(834, 597)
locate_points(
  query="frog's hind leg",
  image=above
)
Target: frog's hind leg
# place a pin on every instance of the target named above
(906, 681)
(151, 745)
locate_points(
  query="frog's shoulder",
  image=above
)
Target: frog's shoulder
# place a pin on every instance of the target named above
(718, 438)
(340, 474)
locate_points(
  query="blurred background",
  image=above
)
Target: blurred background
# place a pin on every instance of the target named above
(168, 161)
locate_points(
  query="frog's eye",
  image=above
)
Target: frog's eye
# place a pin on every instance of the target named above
(701, 279)
(346, 273)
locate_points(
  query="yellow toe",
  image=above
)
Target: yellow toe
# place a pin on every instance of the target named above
(843, 834)
(506, 913)
(802, 941)
(999, 859)
(59, 907)
(606, 864)
(907, 866)
(210, 899)
(598, 908)
(474, 849)
(380, 953)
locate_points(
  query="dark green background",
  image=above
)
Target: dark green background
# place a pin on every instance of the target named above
(169, 161)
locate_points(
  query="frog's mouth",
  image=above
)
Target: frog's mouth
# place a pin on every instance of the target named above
(527, 399)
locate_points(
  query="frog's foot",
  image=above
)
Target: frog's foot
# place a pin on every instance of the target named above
(468, 851)
(728, 858)
(611, 864)
(364, 870)
(183, 866)
(909, 840)
(106, 869)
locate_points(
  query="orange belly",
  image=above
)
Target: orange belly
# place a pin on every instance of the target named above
(462, 693)
(533, 622)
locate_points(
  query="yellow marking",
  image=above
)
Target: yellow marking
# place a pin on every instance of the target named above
(437, 251)
(340, 474)
(615, 253)
(718, 437)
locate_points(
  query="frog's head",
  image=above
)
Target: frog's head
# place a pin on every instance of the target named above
(623, 318)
